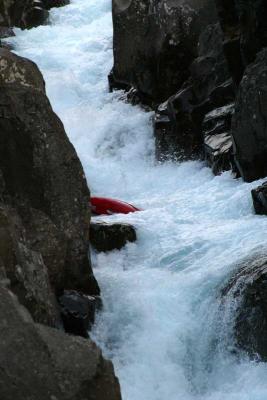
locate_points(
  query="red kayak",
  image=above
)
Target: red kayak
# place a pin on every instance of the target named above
(101, 205)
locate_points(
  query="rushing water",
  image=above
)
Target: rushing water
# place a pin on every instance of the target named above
(161, 323)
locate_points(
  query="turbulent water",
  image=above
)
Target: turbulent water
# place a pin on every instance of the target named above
(161, 324)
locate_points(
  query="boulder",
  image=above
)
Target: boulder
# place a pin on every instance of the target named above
(44, 230)
(165, 43)
(107, 237)
(43, 176)
(247, 290)
(78, 312)
(38, 362)
(218, 144)
(249, 126)
(259, 196)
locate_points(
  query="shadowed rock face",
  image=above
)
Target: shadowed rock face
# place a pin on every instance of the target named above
(42, 363)
(44, 193)
(245, 32)
(249, 126)
(54, 3)
(25, 271)
(26, 14)
(22, 13)
(178, 121)
(165, 36)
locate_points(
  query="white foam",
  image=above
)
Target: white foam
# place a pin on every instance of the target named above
(160, 322)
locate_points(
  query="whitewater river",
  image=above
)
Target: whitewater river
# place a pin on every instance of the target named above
(161, 324)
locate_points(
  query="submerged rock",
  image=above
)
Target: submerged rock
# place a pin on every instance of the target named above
(78, 312)
(248, 291)
(107, 237)
(38, 362)
(249, 126)
(259, 196)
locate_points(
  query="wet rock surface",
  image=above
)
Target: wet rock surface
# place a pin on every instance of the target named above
(55, 3)
(247, 289)
(177, 122)
(78, 312)
(165, 41)
(259, 196)
(218, 142)
(39, 362)
(249, 122)
(111, 236)
(176, 133)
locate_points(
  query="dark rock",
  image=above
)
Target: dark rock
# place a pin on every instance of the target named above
(165, 34)
(25, 270)
(249, 126)
(245, 32)
(6, 32)
(107, 237)
(177, 122)
(35, 16)
(24, 14)
(45, 181)
(44, 230)
(78, 312)
(55, 3)
(42, 363)
(209, 70)
(259, 196)
(218, 144)
(176, 134)
(248, 292)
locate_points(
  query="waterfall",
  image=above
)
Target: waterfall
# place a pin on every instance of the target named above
(161, 323)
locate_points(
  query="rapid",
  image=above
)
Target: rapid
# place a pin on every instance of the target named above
(161, 325)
